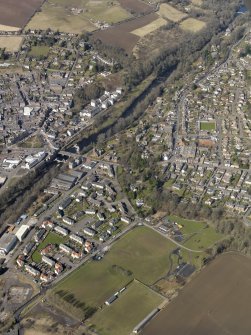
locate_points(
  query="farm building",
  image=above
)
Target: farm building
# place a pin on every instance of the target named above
(141, 325)
(111, 300)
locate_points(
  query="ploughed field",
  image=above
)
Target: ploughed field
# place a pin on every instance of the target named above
(216, 302)
(10, 8)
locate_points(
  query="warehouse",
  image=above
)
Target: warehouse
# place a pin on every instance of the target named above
(22, 232)
(7, 243)
(65, 204)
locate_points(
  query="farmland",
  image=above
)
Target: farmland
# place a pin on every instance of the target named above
(136, 6)
(112, 35)
(50, 238)
(150, 27)
(10, 43)
(171, 13)
(132, 306)
(192, 25)
(78, 16)
(215, 302)
(10, 8)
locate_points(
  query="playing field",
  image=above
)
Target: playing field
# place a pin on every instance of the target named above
(10, 43)
(168, 12)
(192, 25)
(208, 126)
(50, 238)
(216, 302)
(77, 16)
(149, 28)
(131, 307)
(142, 254)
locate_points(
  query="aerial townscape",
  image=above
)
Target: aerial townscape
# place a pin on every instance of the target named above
(125, 167)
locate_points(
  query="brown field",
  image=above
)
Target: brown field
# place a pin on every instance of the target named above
(149, 28)
(216, 302)
(192, 25)
(11, 43)
(120, 35)
(10, 8)
(136, 6)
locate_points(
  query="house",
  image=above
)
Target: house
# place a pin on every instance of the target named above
(89, 231)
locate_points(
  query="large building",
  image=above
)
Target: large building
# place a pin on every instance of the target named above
(22, 232)
(7, 243)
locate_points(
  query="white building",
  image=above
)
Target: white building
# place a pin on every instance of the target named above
(22, 232)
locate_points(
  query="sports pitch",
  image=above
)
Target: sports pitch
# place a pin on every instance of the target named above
(137, 300)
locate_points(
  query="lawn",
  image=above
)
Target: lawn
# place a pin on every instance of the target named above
(132, 306)
(32, 142)
(52, 238)
(207, 126)
(39, 51)
(197, 234)
(189, 226)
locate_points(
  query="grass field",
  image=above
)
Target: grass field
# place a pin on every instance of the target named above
(39, 51)
(10, 43)
(168, 12)
(132, 306)
(32, 142)
(216, 302)
(192, 25)
(143, 31)
(50, 238)
(58, 15)
(197, 234)
(141, 254)
(197, 2)
(208, 126)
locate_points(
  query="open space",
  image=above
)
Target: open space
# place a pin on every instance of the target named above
(192, 25)
(208, 126)
(10, 43)
(77, 16)
(214, 303)
(171, 13)
(10, 8)
(132, 306)
(142, 254)
(51, 238)
(39, 51)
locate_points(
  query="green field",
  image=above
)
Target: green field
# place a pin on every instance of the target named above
(141, 254)
(207, 126)
(52, 238)
(39, 51)
(132, 306)
(197, 234)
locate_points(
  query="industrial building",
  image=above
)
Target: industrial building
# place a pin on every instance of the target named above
(22, 232)
(7, 243)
